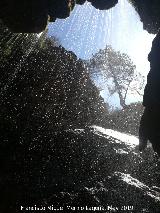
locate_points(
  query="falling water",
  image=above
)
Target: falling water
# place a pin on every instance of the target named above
(87, 30)
(52, 153)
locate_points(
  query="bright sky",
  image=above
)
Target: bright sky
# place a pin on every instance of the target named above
(87, 30)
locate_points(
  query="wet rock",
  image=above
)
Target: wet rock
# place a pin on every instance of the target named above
(60, 9)
(124, 189)
(103, 4)
(33, 16)
(80, 1)
(79, 168)
(149, 12)
(149, 125)
(155, 188)
(24, 16)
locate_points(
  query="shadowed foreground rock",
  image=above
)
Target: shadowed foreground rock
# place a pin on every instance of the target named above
(149, 126)
(79, 170)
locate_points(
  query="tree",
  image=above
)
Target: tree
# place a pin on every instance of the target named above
(117, 70)
(126, 120)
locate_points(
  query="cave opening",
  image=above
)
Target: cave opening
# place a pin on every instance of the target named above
(71, 103)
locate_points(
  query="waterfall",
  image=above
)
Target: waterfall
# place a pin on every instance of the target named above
(87, 30)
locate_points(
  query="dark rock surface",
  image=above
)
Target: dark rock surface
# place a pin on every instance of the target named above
(103, 4)
(80, 169)
(49, 156)
(149, 12)
(33, 16)
(149, 127)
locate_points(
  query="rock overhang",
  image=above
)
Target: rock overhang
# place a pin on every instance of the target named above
(23, 16)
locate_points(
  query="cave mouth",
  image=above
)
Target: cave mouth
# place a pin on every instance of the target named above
(99, 41)
(88, 30)
(71, 103)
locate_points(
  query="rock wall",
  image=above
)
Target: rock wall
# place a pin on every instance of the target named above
(33, 16)
(149, 12)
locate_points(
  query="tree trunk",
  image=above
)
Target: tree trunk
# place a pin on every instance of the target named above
(121, 99)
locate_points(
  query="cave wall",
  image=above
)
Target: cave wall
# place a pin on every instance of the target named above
(32, 16)
(149, 12)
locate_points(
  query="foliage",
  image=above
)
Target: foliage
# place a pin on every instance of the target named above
(117, 69)
(126, 120)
